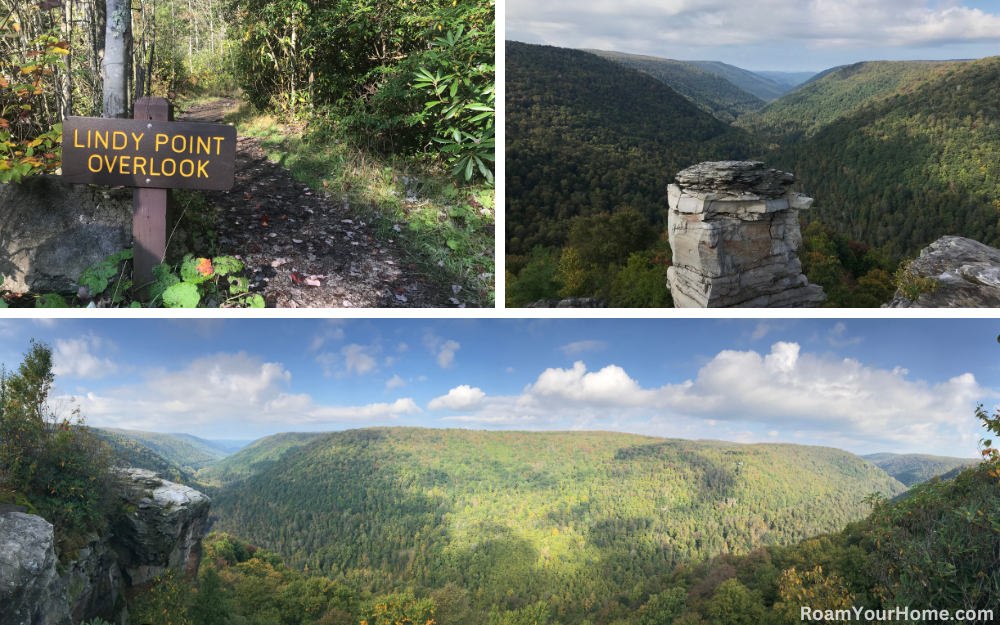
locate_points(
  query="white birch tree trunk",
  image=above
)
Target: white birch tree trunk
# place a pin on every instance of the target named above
(117, 56)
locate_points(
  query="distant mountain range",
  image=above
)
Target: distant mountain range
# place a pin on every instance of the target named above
(833, 94)
(708, 90)
(788, 80)
(913, 469)
(179, 454)
(762, 87)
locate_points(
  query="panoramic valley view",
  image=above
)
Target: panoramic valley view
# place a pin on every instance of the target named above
(884, 111)
(498, 472)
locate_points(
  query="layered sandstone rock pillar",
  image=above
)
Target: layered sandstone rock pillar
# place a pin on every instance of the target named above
(734, 232)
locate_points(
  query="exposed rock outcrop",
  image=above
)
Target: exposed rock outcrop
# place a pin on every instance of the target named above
(31, 592)
(50, 231)
(572, 302)
(734, 231)
(952, 272)
(163, 532)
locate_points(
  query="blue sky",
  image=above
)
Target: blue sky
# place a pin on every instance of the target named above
(777, 35)
(862, 385)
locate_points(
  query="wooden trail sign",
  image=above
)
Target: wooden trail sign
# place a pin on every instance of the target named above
(154, 155)
(148, 154)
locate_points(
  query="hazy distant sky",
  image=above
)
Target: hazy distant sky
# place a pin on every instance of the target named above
(861, 385)
(777, 35)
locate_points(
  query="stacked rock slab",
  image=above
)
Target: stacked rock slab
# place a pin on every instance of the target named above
(734, 231)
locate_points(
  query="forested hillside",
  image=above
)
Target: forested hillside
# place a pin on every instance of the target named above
(711, 92)
(913, 469)
(135, 454)
(175, 448)
(521, 517)
(585, 136)
(910, 168)
(764, 88)
(254, 458)
(811, 107)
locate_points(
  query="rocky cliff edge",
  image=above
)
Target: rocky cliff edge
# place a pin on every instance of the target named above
(164, 531)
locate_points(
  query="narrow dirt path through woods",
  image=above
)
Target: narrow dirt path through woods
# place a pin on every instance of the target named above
(304, 248)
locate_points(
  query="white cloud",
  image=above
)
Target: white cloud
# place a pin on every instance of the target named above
(773, 433)
(235, 389)
(784, 389)
(394, 382)
(446, 357)
(837, 336)
(444, 350)
(402, 348)
(760, 331)
(357, 358)
(332, 330)
(510, 369)
(647, 26)
(579, 347)
(73, 358)
(461, 397)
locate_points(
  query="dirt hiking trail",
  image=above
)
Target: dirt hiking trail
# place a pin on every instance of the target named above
(304, 248)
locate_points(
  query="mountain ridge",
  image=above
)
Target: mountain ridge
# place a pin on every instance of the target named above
(711, 92)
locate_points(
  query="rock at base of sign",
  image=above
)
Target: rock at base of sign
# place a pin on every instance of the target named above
(50, 232)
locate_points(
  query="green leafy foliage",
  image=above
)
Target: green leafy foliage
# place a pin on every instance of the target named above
(56, 464)
(938, 546)
(110, 273)
(642, 283)
(361, 58)
(51, 300)
(462, 102)
(30, 145)
(536, 280)
(852, 274)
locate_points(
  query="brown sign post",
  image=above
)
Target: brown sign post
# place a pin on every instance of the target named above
(151, 154)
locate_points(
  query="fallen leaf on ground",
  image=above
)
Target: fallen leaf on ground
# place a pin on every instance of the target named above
(205, 267)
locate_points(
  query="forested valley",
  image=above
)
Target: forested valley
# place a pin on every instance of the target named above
(896, 155)
(415, 526)
(385, 108)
